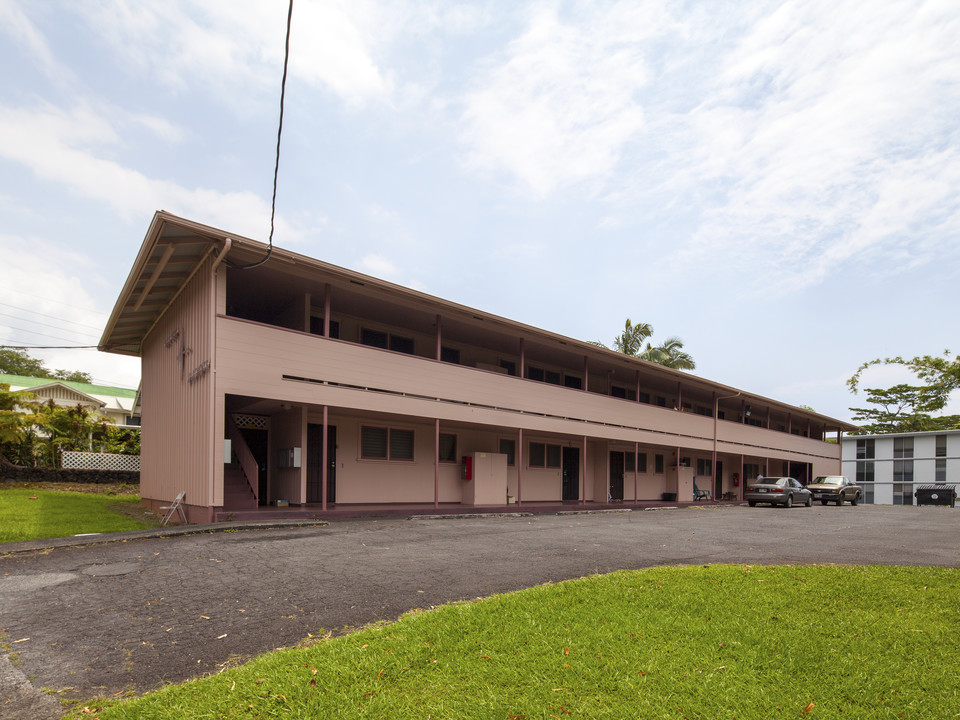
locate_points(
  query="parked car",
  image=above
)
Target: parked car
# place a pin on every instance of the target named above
(784, 491)
(835, 488)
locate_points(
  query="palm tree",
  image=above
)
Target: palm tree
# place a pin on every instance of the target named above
(671, 354)
(630, 341)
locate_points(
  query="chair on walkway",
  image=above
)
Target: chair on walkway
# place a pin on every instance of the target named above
(175, 507)
(699, 494)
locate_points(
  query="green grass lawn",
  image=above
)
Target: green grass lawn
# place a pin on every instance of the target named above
(678, 642)
(30, 513)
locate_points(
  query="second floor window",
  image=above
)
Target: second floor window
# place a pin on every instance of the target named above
(381, 339)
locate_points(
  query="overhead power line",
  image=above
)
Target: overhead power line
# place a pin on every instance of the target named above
(276, 166)
(51, 317)
(55, 327)
(35, 332)
(49, 347)
(48, 299)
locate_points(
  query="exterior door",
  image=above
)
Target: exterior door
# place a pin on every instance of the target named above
(571, 473)
(315, 463)
(718, 482)
(615, 490)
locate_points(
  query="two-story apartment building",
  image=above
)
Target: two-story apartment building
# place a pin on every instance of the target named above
(890, 467)
(273, 377)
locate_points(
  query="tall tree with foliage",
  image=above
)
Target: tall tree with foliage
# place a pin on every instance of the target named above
(910, 408)
(17, 419)
(669, 353)
(16, 361)
(630, 341)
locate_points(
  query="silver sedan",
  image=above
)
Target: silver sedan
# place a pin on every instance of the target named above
(785, 491)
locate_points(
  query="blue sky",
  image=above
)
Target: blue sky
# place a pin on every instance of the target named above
(777, 183)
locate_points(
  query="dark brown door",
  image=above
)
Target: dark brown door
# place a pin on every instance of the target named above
(571, 473)
(718, 481)
(315, 463)
(616, 476)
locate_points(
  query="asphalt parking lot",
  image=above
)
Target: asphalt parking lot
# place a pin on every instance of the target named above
(109, 617)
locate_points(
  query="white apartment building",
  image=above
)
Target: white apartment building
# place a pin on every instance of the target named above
(889, 468)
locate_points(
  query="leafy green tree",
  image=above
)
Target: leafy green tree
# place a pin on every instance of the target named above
(72, 376)
(69, 428)
(19, 362)
(630, 341)
(910, 408)
(670, 353)
(17, 418)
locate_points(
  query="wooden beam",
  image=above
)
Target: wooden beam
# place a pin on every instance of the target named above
(156, 274)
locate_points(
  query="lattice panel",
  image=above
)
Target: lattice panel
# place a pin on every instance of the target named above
(251, 422)
(73, 460)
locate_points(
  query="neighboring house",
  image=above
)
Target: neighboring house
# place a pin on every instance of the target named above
(297, 381)
(117, 404)
(890, 467)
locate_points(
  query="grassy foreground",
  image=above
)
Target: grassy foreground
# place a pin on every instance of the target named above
(679, 642)
(30, 513)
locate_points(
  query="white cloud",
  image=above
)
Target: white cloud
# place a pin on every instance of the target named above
(235, 48)
(55, 145)
(18, 27)
(561, 104)
(830, 137)
(47, 299)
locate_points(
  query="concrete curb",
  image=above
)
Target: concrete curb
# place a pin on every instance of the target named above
(26, 546)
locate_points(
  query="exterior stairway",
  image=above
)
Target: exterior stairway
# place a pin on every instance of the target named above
(237, 494)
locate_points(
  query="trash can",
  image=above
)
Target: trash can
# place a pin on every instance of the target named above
(936, 495)
(668, 497)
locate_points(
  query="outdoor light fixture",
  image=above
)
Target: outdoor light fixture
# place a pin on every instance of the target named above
(747, 411)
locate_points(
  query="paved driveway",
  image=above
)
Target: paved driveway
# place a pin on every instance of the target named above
(108, 617)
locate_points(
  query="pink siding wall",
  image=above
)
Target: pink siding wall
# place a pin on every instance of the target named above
(382, 481)
(178, 448)
(288, 430)
(252, 359)
(750, 440)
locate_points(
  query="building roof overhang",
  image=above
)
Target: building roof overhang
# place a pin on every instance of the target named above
(174, 249)
(172, 252)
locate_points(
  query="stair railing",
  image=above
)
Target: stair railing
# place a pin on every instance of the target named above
(248, 463)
